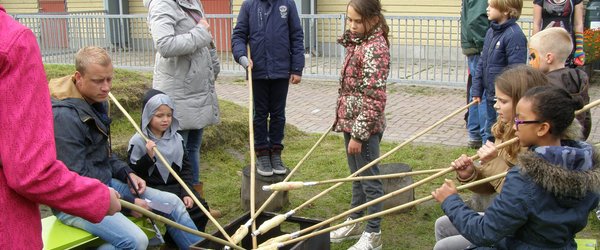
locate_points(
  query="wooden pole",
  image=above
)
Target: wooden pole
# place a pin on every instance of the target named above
(162, 219)
(242, 231)
(475, 183)
(291, 212)
(588, 107)
(286, 186)
(385, 212)
(164, 161)
(252, 150)
(397, 192)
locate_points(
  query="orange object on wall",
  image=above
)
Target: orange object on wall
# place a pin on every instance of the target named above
(53, 31)
(220, 28)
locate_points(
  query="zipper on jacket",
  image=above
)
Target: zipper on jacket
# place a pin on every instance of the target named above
(101, 131)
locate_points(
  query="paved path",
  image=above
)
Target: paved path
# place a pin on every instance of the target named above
(409, 110)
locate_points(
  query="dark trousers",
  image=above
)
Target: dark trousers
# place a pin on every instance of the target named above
(269, 111)
(366, 190)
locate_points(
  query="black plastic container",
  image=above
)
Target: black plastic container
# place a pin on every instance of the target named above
(290, 225)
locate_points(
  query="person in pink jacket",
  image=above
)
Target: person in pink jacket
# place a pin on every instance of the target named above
(29, 171)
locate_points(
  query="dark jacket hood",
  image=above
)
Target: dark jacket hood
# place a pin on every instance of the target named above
(574, 80)
(569, 171)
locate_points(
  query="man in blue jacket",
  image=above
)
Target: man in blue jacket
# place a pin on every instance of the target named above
(473, 26)
(273, 29)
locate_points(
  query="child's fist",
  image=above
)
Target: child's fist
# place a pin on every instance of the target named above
(149, 148)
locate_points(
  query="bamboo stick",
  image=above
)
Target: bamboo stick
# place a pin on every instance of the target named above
(588, 107)
(286, 186)
(397, 192)
(242, 231)
(475, 183)
(380, 158)
(382, 213)
(164, 161)
(162, 219)
(252, 150)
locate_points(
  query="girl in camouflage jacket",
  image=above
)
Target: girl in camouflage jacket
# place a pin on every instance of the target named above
(361, 111)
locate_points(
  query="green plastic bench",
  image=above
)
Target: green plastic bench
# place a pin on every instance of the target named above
(57, 235)
(586, 244)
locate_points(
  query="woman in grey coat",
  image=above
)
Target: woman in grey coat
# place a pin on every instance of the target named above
(186, 67)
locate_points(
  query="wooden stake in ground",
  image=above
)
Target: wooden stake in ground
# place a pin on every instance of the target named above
(242, 231)
(171, 223)
(166, 164)
(291, 185)
(272, 223)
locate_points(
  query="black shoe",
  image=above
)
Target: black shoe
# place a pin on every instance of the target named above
(277, 164)
(474, 144)
(263, 165)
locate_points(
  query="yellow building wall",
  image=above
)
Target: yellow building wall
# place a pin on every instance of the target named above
(137, 7)
(235, 6)
(407, 31)
(403, 7)
(84, 5)
(20, 6)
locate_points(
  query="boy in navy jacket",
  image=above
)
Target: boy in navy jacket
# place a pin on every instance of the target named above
(273, 30)
(504, 45)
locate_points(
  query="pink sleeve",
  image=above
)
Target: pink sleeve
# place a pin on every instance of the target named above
(28, 151)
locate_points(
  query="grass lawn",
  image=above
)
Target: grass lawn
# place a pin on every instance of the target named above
(225, 152)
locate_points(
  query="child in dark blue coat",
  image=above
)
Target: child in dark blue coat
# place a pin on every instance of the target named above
(504, 45)
(547, 197)
(274, 33)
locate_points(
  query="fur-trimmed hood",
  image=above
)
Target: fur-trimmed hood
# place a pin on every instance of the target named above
(569, 171)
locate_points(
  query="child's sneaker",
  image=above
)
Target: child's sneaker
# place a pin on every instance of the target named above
(368, 241)
(263, 165)
(346, 233)
(277, 164)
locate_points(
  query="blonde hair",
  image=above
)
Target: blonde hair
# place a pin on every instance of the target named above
(513, 7)
(91, 55)
(554, 40)
(514, 82)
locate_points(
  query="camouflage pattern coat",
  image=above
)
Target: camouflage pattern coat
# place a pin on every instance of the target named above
(362, 97)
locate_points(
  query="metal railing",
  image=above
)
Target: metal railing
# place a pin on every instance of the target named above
(425, 50)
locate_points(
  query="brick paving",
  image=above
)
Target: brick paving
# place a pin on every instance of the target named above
(409, 110)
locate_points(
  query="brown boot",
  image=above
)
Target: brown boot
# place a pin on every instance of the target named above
(200, 189)
(215, 213)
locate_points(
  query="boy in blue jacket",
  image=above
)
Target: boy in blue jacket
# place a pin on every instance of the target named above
(504, 45)
(273, 29)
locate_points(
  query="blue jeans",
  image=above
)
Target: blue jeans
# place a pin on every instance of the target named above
(475, 120)
(120, 233)
(490, 118)
(192, 139)
(366, 190)
(269, 105)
